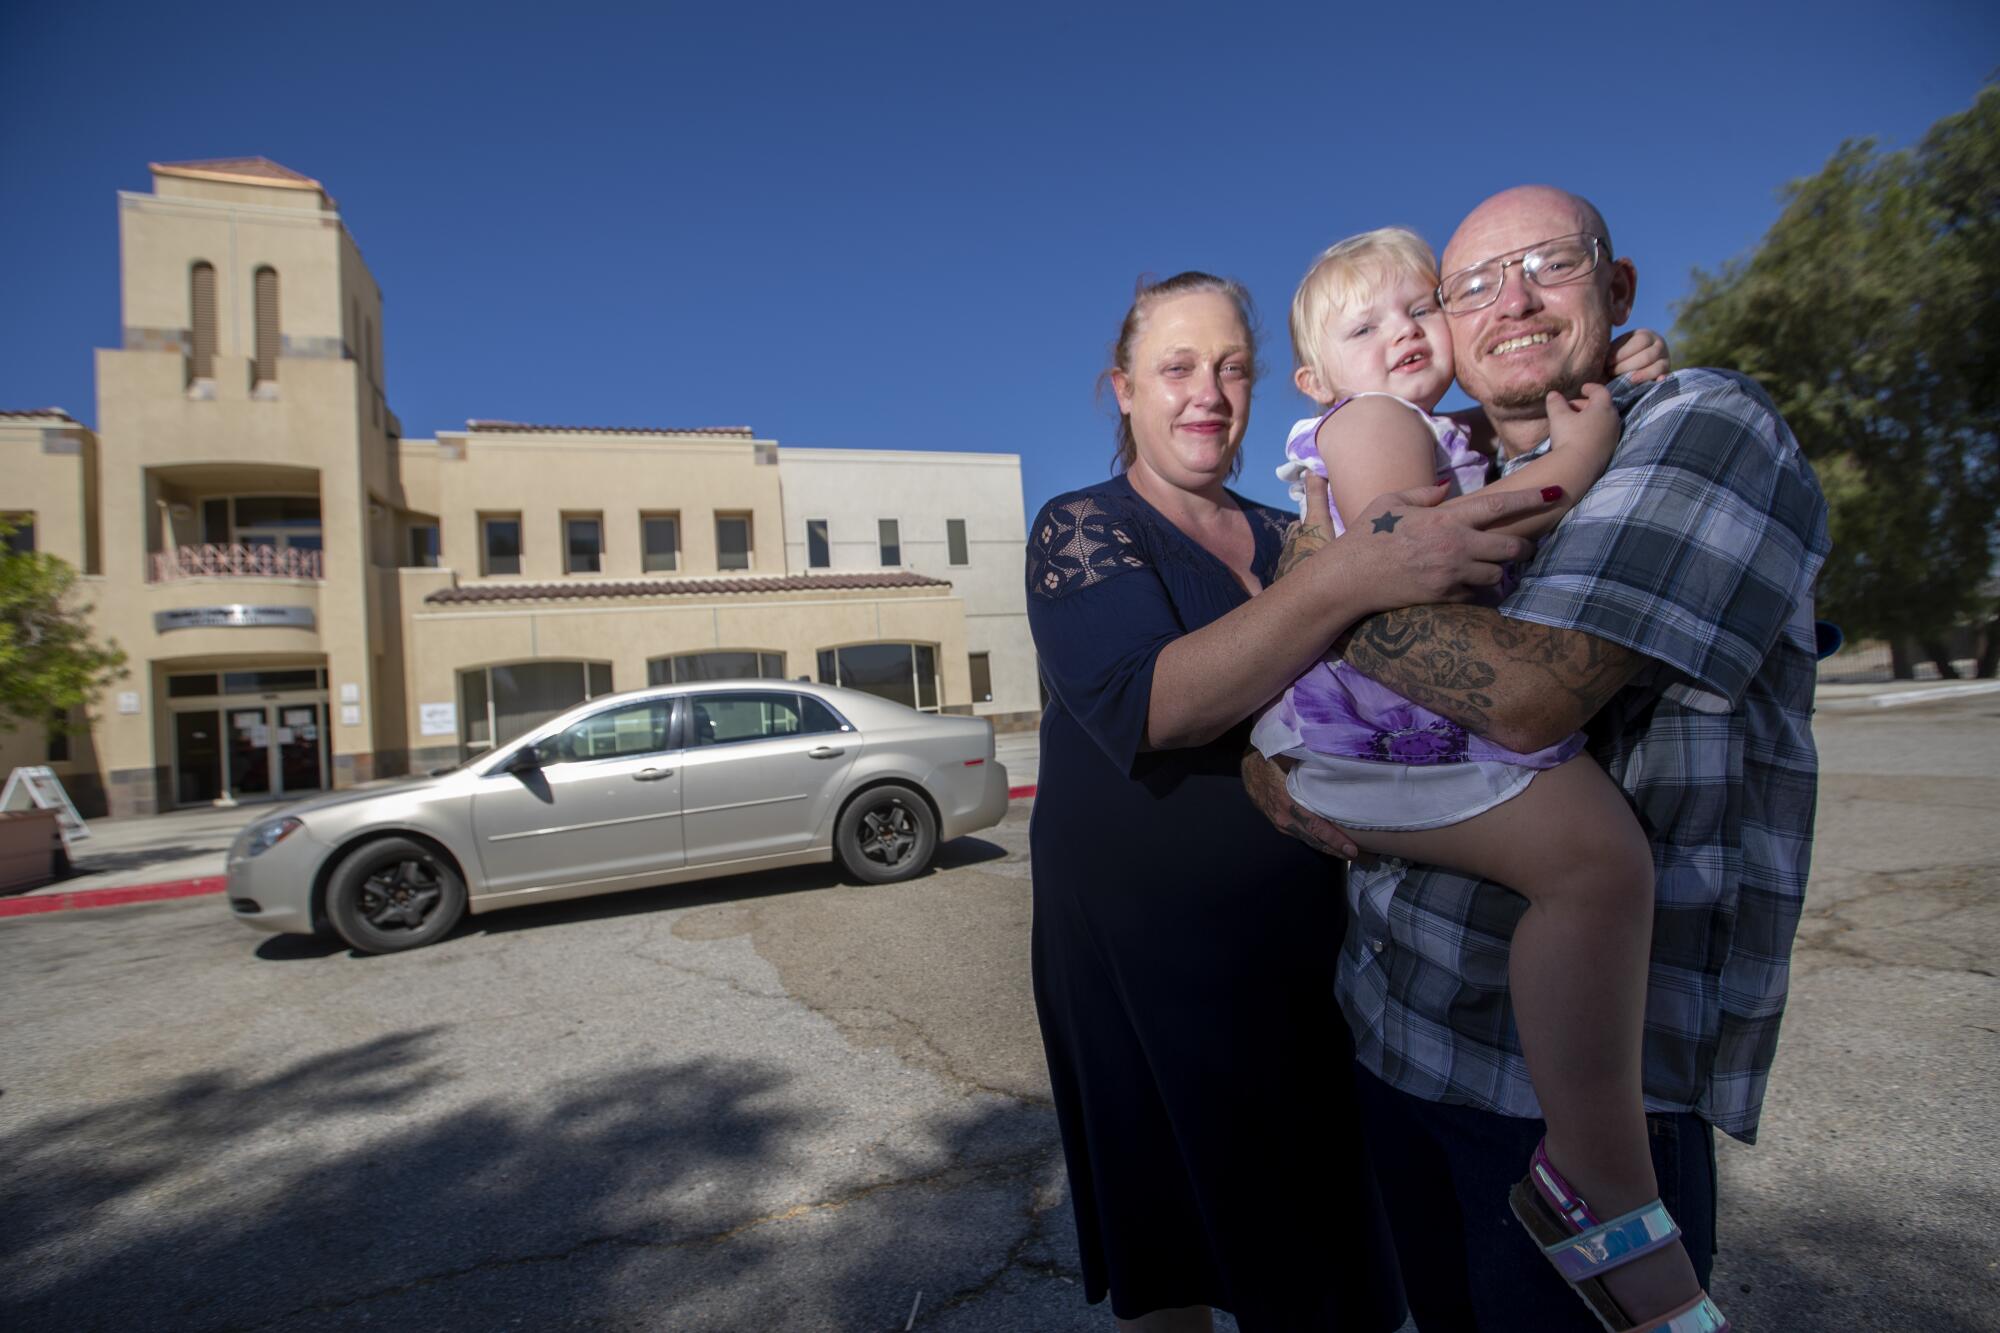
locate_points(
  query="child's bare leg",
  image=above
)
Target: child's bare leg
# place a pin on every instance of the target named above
(1577, 974)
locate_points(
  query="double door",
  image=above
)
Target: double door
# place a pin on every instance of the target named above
(249, 751)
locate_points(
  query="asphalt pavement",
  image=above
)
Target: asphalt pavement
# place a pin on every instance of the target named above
(788, 1102)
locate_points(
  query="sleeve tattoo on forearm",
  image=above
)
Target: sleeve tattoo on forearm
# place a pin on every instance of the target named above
(1452, 660)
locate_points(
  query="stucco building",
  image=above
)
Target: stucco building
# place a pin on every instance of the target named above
(308, 599)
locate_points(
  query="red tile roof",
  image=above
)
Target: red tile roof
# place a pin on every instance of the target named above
(541, 592)
(526, 428)
(39, 414)
(258, 170)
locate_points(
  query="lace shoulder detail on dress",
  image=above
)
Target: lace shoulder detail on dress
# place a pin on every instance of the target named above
(1077, 543)
(1275, 521)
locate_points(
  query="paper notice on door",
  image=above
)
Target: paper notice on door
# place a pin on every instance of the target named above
(298, 717)
(284, 735)
(248, 721)
(260, 735)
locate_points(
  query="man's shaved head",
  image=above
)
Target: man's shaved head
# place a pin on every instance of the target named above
(1543, 200)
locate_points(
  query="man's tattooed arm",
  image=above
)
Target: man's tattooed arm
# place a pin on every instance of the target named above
(1520, 684)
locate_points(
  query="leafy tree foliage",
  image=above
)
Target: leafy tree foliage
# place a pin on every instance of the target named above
(49, 665)
(1871, 313)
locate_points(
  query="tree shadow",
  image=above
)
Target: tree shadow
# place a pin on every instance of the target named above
(351, 1190)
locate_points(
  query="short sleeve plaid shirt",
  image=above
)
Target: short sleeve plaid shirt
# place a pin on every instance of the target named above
(1697, 549)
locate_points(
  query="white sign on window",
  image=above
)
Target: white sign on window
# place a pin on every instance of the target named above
(437, 719)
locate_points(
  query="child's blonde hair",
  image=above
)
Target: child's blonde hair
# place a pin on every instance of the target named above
(1347, 274)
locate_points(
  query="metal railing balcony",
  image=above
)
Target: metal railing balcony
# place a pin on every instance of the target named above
(209, 561)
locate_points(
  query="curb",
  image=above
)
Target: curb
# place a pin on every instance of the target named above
(116, 897)
(1017, 793)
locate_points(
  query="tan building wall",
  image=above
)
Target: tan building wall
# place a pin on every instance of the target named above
(237, 633)
(852, 490)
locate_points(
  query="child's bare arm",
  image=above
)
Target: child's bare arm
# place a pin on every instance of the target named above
(1372, 447)
(1642, 354)
(1582, 435)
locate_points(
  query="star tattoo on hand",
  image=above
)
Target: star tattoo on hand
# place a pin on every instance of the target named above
(1387, 522)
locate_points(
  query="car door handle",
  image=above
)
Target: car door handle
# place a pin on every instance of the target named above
(824, 752)
(652, 774)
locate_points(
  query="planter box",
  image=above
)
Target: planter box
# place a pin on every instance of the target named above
(31, 850)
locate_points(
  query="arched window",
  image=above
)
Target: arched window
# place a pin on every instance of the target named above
(265, 368)
(498, 703)
(905, 672)
(727, 664)
(201, 321)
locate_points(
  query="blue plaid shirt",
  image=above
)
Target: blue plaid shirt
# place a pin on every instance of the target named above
(1697, 550)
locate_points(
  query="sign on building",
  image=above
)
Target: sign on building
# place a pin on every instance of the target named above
(233, 617)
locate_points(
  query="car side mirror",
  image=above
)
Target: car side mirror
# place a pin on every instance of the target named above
(527, 759)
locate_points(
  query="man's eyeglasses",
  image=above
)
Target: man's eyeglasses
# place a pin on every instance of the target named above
(1545, 263)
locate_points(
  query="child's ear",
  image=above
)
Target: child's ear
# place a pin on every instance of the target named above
(1308, 383)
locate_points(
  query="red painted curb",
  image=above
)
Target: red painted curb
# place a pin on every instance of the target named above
(1016, 793)
(119, 897)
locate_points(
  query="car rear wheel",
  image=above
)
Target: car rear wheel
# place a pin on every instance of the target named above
(393, 894)
(886, 834)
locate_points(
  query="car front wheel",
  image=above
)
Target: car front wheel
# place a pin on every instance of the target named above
(393, 894)
(886, 835)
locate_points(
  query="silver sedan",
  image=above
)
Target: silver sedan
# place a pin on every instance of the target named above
(623, 792)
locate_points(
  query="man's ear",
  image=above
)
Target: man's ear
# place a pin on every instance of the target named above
(1624, 289)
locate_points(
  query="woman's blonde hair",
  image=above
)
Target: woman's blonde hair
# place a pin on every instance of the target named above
(1347, 274)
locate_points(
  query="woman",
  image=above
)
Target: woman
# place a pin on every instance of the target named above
(1183, 948)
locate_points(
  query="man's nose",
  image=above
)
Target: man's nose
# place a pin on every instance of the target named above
(1518, 296)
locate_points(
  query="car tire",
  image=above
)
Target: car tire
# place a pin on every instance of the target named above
(886, 834)
(394, 894)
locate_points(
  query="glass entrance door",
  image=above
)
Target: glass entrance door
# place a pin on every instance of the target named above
(197, 757)
(296, 736)
(249, 751)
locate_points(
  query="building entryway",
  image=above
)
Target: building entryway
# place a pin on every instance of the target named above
(228, 747)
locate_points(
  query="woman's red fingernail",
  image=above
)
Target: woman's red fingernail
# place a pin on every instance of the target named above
(1552, 493)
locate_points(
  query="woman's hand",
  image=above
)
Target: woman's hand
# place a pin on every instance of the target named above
(1405, 551)
(1642, 354)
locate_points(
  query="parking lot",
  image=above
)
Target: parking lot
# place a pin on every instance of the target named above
(787, 1101)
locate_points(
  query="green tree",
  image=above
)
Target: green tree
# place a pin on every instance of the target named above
(49, 665)
(1870, 312)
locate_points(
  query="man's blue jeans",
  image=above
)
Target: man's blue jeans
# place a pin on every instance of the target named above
(1468, 1266)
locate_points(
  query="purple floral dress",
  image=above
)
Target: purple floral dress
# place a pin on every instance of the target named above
(1335, 710)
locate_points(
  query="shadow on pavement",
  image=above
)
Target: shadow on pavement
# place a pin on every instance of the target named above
(348, 1190)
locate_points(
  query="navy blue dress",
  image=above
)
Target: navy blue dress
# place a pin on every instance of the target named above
(1184, 957)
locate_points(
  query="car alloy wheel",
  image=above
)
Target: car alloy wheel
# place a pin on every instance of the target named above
(887, 834)
(394, 894)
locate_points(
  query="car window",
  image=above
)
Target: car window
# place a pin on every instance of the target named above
(720, 719)
(639, 728)
(817, 717)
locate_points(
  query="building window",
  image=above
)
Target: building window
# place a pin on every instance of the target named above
(20, 533)
(58, 751)
(498, 703)
(956, 550)
(265, 369)
(892, 542)
(660, 534)
(982, 677)
(583, 543)
(424, 549)
(819, 551)
(904, 672)
(732, 541)
(201, 320)
(500, 544)
(727, 664)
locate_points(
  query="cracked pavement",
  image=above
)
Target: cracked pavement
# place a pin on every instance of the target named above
(787, 1102)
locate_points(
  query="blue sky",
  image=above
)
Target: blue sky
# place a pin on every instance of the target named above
(905, 226)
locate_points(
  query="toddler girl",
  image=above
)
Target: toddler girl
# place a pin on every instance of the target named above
(1372, 347)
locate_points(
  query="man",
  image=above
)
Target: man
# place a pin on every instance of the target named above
(1670, 616)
